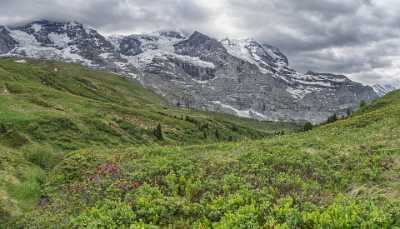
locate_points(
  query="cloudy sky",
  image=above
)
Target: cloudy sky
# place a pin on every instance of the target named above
(359, 38)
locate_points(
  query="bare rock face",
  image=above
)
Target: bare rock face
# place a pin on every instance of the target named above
(239, 77)
(7, 43)
(245, 78)
(200, 45)
(130, 46)
(383, 89)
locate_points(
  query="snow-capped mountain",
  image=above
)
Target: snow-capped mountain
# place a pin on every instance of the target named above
(383, 89)
(54, 40)
(240, 77)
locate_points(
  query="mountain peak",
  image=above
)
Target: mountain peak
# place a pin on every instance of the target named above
(199, 37)
(265, 58)
(198, 34)
(199, 44)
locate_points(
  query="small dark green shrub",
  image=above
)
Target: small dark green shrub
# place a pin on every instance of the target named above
(308, 126)
(42, 156)
(158, 133)
(332, 118)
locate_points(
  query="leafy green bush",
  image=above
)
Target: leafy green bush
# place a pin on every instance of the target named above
(106, 214)
(42, 155)
(348, 213)
(245, 217)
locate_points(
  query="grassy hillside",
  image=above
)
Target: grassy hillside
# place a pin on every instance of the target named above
(48, 109)
(340, 175)
(70, 107)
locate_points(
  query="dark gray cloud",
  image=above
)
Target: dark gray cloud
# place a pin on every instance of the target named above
(108, 15)
(359, 38)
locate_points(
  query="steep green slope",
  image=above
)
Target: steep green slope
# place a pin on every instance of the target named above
(70, 107)
(50, 108)
(20, 184)
(340, 175)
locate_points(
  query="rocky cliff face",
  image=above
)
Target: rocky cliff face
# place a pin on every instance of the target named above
(383, 89)
(7, 43)
(239, 77)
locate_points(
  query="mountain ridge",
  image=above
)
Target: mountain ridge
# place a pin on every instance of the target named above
(385, 88)
(239, 77)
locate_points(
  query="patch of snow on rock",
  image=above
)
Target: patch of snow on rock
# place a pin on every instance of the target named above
(257, 115)
(240, 113)
(36, 27)
(69, 53)
(60, 40)
(195, 61)
(132, 75)
(156, 46)
(238, 48)
(21, 61)
(24, 39)
(297, 93)
(105, 55)
(30, 47)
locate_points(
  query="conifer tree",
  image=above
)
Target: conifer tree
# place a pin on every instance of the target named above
(348, 112)
(332, 118)
(217, 134)
(308, 126)
(158, 132)
(363, 104)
